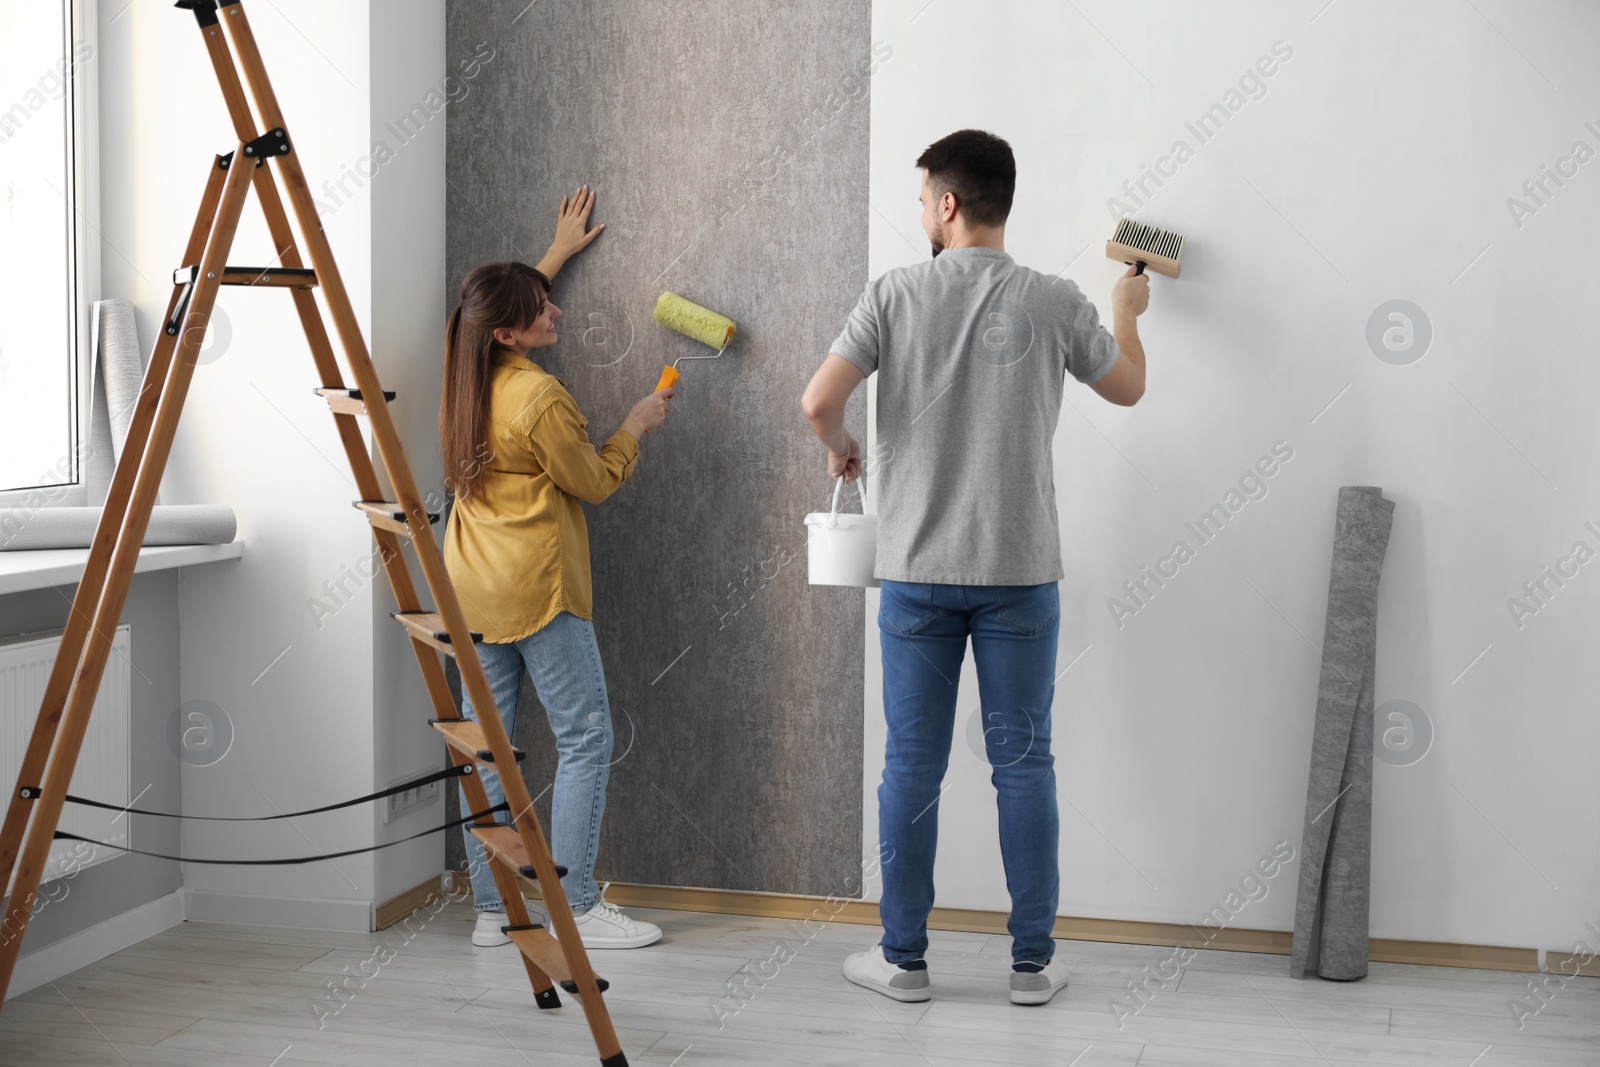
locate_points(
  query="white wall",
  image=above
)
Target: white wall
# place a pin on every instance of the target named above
(305, 726)
(1376, 166)
(408, 305)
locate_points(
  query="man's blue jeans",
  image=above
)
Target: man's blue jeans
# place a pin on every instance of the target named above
(563, 659)
(924, 630)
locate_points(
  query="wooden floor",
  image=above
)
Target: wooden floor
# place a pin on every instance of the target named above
(221, 996)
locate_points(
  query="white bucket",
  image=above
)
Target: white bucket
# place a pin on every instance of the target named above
(841, 549)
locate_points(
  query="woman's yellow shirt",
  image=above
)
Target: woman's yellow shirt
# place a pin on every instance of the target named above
(518, 549)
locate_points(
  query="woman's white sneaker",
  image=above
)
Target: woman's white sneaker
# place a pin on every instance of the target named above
(1037, 987)
(871, 971)
(486, 932)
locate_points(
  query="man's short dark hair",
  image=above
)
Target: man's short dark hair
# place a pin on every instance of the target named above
(978, 168)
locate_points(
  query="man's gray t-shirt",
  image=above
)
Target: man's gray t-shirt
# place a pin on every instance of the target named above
(971, 352)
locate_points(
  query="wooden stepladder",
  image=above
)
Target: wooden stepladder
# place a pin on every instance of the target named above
(518, 848)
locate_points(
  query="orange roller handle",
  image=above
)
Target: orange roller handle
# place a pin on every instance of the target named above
(669, 376)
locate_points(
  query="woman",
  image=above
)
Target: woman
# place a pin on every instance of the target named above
(517, 549)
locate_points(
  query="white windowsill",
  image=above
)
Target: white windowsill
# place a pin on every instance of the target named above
(46, 567)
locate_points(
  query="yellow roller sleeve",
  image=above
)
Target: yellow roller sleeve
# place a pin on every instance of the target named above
(692, 320)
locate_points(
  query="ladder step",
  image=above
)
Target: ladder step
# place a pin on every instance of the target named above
(544, 950)
(348, 401)
(505, 845)
(386, 515)
(467, 737)
(275, 277)
(428, 627)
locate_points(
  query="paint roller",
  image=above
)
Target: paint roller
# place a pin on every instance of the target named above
(691, 320)
(1148, 246)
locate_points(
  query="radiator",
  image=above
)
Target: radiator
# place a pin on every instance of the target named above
(102, 769)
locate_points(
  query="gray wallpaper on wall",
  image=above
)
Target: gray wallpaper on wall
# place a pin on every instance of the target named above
(727, 142)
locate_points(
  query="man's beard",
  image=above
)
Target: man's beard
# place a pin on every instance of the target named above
(937, 240)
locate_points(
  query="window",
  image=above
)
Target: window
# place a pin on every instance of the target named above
(46, 285)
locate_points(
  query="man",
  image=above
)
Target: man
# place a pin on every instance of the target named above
(971, 352)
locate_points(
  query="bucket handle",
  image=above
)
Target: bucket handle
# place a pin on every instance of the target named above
(838, 484)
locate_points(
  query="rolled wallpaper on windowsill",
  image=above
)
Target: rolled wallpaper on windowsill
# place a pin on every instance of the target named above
(117, 374)
(27, 529)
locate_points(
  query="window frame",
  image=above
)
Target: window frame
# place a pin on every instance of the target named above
(80, 18)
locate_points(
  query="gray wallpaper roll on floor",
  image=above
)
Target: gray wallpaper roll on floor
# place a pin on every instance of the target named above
(1330, 917)
(727, 142)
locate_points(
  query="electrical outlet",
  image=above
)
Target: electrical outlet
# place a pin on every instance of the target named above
(398, 804)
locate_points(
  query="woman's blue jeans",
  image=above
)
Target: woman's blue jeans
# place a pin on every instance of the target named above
(924, 630)
(563, 659)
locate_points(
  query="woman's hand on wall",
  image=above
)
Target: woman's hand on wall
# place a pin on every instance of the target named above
(650, 412)
(572, 230)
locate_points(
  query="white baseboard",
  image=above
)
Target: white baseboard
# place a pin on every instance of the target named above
(77, 950)
(243, 909)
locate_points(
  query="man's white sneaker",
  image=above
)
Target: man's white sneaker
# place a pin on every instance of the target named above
(607, 926)
(1039, 986)
(870, 970)
(486, 932)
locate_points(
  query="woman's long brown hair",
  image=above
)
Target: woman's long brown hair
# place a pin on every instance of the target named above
(493, 296)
